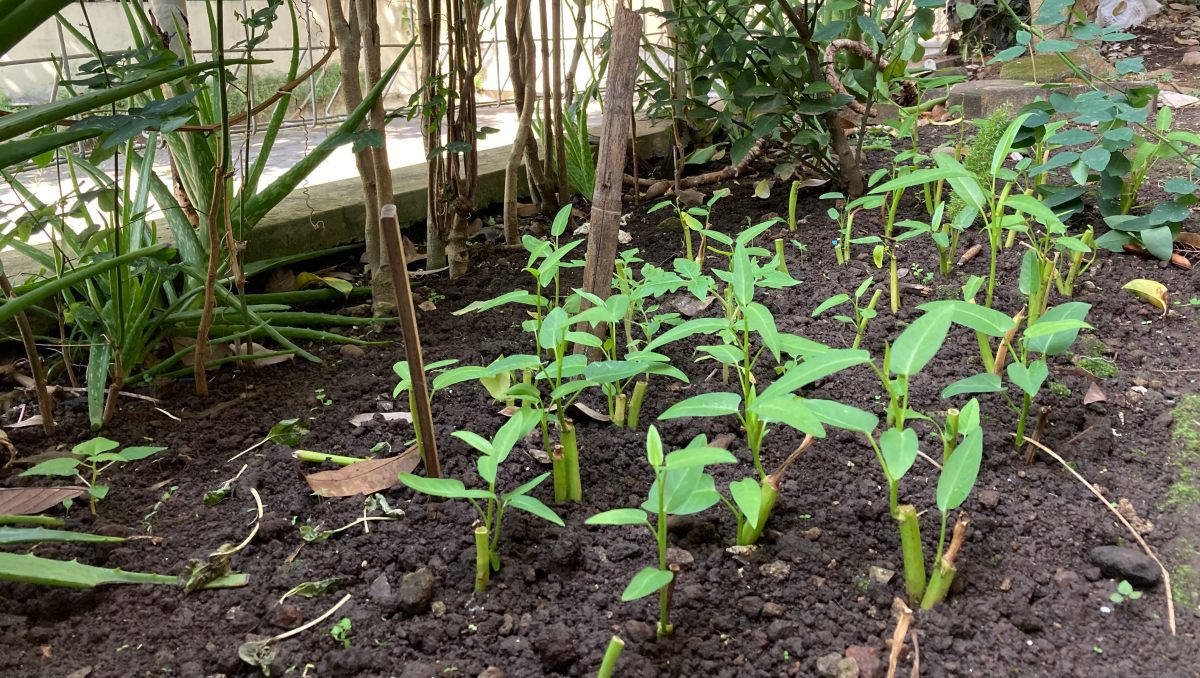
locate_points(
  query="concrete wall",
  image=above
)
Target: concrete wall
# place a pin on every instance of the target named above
(35, 82)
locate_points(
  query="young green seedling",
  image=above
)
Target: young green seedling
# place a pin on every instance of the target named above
(1125, 591)
(341, 632)
(862, 314)
(89, 460)
(287, 432)
(844, 218)
(491, 512)
(681, 487)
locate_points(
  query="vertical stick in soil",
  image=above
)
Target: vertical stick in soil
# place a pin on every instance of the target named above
(610, 165)
(483, 559)
(423, 417)
(611, 654)
(910, 546)
(45, 404)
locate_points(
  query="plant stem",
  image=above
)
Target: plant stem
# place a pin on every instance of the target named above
(318, 457)
(39, 521)
(611, 654)
(664, 601)
(483, 559)
(950, 435)
(559, 472)
(618, 418)
(635, 403)
(783, 267)
(1023, 418)
(571, 461)
(944, 569)
(910, 546)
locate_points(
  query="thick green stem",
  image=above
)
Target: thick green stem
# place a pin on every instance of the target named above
(939, 586)
(751, 530)
(1023, 419)
(783, 267)
(894, 284)
(618, 417)
(559, 473)
(39, 521)
(483, 559)
(664, 599)
(910, 546)
(609, 664)
(985, 352)
(950, 434)
(571, 461)
(635, 404)
(319, 457)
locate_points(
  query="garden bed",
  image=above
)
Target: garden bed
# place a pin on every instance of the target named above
(1027, 601)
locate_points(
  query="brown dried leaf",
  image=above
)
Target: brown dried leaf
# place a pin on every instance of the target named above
(1188, 239)
(427, 306)
(256, 348)
(360, 419)
(35, 420)
(594, 415)
(1094, 394)
(364, 477)
(27, 501)
(688, 305)
(281, 280)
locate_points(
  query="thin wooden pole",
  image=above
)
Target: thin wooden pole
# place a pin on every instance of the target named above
(45, 402)
(422, 416)
(615, 131)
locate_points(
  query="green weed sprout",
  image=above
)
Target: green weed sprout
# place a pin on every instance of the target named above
(341, 632)
(89, 460)
(491, 512)
(681, 487)
(1125, 591)
(862, 314)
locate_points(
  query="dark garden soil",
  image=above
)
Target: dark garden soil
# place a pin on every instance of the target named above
(1027, 600)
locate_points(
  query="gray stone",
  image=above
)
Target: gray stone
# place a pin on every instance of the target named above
(837, 666)
(1190, 59)
(351, 352)
(776, 569)
(492, 672)
(867, 660)
(751, 606)
(1133, 566)
(415, 592)
(639, 631)
(772, 610)
(989, 498)
(880, 575)
(1045, 68)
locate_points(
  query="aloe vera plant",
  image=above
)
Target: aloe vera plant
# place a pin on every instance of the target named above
(490, 504)
(681, 487)
(30, 569)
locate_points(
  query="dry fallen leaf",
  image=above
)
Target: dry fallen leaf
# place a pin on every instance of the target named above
(215, 351)
(1094, 394)
(280, 280)
(27, 501)
(427, 306)
(594, 415)
(255, 349)
(688, 305)
(1150, 291)
(35, 420)
(364, 477)
(1140, 524)
(762, 189)
(360, 419)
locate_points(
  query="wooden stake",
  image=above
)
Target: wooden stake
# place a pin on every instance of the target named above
(412, 342)
(45, 403)
(610, 165)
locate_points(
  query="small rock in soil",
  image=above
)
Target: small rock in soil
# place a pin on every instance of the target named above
(777, 569)
(867, 659)
(772, 610)
(751, 606)
(639, 631)
(881, 575)
(1133, 566)
(556, 647)
(812, 533)
(419, 670)
(352, 352)
(438, 608)
(678, 556)
(1065, 579)
(492, 672)
(416, 591)
(989, 498)
(286, 616)
(827, 665)
(380, 592)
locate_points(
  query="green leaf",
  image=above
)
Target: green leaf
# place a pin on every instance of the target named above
(974, 316)
(742, 270)
(1095, 157)
(622, 516)
(829, 303)
(138, 453)
(791, 410)
(41, 535)
(526, 486)
(899, 447)
(450, 488)
(1007, 54)
(843, 416)
(704, 405)
(760, 320)
(64, 466)
(514, 297)
(698, 456)
(32, 569)
(813, 369)
(923, 176)
(649, 580)
(536, 507)
(960, 471)
(654, 447)
(979, 383)
(288, 431)
(1028, 379)
(98, 491)
(476, 441)
(917, 344)
(89, 448)
(1043, 327)
(1055, 344)
(747, 496)
(686, 329)
(1055, 46)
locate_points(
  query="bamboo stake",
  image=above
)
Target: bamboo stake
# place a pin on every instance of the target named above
(45, 404)
(419, 392)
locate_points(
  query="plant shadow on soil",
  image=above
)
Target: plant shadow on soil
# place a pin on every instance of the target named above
(1026, 602)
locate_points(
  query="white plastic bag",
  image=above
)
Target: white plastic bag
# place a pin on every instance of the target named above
(1126, 13)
